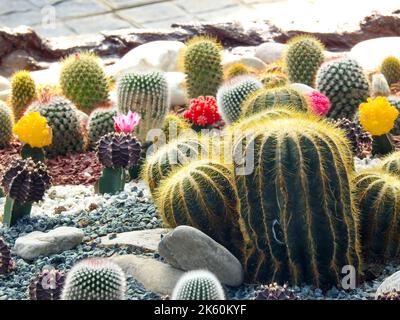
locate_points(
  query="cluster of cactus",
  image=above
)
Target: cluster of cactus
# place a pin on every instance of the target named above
(7, 264)
(83, 81)
(303, 58)
(281, 96)
(6, 121)
(211, 183)
(147, 94)
(23, 92)
(390, 68)
(346, 86)
(202, 66)
(47, 285)
(175, 154)
(24, 182)
(175, 126)
(95, 279)
(379, 86)
(297, 208)
(100, 123)
(378, 196)
(273, 291)
(233, 93)
(236, 69)
(116, 152)
(61, 115)
(198, 285)
(360, 140)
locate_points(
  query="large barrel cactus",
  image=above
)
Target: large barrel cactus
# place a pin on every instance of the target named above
(378, 196)
(148, 95)
(296, 202)
(202, 194)
(280, 96)
(346, 86)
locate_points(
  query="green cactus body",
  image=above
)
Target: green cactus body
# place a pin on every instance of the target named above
(303, 58)
(101, 122)
(177, 153)
(345, 85)
(395, 102)
(378, 195)
(6, 124)
(391, 70)
(198, 285)
(391, 163)
(232, 94)
(281, 96)
(273, 80)
(61, 115)
(83, 81)
(95, 279)
(379, 86)
(236, 69)
(148, 95)
(174, 126)
(202, 194)
(202, 65)
(296, 204)
(23, 91)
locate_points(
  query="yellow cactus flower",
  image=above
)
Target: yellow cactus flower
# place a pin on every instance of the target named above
(377, 116)
(33, 129)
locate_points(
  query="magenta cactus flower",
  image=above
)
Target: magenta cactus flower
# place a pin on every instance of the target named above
(126, 123)
(318, 103)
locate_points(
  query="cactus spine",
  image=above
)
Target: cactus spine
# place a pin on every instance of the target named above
(202, 66)
(232, 94)
(147, 94)
(345, 85)
(6, 124)
(281, 96)
(296, 203)
(391, 163)
(391, 69)
(174, 126)
(95, 279)
(83, 81)
(101, 122)
(198, 285)
(215, 211)
(23, 91)
(378, 196)
(236, 69)
(303, 58)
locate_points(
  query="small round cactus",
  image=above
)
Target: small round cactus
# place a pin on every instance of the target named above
(391, 69)
(198, 285)
(233, 93)
(6, 121)
(23, 91)
(379, 86)
(274, 291)
(236, 69)
(95, 279)
(101, 122)
(174, 126)
(26, 180)
(119, 150)
(47, 285)
(273, 80)
(83, 81)
(7, 264)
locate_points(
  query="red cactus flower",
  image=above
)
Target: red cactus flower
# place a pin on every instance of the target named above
(203, 111)
(319, 104)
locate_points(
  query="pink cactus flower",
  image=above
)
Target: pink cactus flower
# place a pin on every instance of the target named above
(126, 123)
(319, 104)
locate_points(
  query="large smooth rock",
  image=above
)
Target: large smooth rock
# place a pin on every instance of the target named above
(155, 276)
(50, 76)
(188, 249)
(371, 53)
(4, 88)
(146, 240)
(389, 284)
(155, 55)
(176, 83)
(38, 243)
(252, 62)
(270, 51)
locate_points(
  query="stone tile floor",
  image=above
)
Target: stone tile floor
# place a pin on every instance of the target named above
(68, 17)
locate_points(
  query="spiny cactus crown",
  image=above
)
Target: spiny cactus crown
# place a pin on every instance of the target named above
(47, 285)
(23, 91)
(391, 69)
(101, 122)
(198, 285)
(6, 121)
(95, 279)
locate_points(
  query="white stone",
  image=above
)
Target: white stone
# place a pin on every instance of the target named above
(155, 276)
(155, 55)
(389, 284)
(270, 52)
(251, 62)
(146, 240)
(178, 93)
(4, 83)
(4, 94)
(371, 53)
(50, 76)
(366, 163)
(38, 243)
